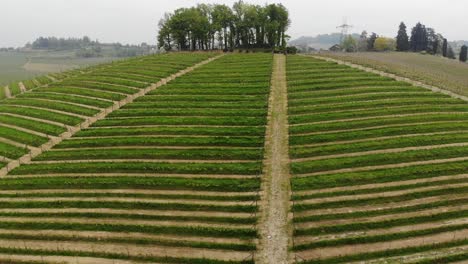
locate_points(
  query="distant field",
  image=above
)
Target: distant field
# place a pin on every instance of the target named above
(444, 73)
(16, 66)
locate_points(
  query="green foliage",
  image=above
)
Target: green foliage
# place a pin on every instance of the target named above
(207, 27)
(402, 42)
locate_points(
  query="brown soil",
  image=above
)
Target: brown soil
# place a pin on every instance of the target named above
(275, 230)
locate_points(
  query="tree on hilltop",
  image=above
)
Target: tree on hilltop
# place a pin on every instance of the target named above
(206, 26)
(418, 40)
(402, 42)
(463, 53)
(445, 48)
(371, 41)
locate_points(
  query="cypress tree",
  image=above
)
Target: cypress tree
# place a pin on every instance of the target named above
(402, 38)
(418, 41)
(444, 48)
(463, 53)
(371, 41)
(450, 53)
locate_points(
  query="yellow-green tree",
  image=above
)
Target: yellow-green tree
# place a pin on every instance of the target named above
(384, 44)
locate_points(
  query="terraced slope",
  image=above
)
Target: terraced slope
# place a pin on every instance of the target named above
(379, 167)
(41, 116)
(171, 178)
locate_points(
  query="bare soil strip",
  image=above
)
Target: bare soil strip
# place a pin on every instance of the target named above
(130, 191)
(382, 217)
(7, 258)
(378, 207)
(154, 147)
(91, 120)
(22, 87)
(382, 246)
(49, 110)
(415, 258)
(374, 127)
(389, 166)
(125, 200)
(122, 235)
(37, 119)
(396, 77)
(130, 211)
(380, 194)
(275, 230)
(147, 175)
(25, 130)
(380, 138)
(70, 103)
(375, 117)
(125, 249)
(139, 160)
(16, 144)
(372, 232)
(380, 185)
(117, 221)
(381, 151)
(7, 92)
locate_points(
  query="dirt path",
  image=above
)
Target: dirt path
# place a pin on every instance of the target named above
(275, 231)
(22, 87)
(103, 114)
(7, 91)
(396, 77)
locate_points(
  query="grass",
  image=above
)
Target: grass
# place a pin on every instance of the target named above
(433, 70)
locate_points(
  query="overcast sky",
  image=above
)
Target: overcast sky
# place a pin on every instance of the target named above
(135, 21)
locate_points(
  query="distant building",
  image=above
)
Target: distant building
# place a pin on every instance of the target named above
(335, 47)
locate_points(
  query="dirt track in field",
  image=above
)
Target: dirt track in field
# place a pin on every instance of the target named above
(275, 231)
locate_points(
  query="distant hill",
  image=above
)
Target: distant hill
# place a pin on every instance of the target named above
(324, 41)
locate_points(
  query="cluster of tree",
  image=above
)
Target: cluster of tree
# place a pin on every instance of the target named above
(423, 39)
(366, 43)
(86, 48)
(53, 43)
(216, 26)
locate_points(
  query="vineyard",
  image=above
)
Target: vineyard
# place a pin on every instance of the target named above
(379, 167)
(171, 159)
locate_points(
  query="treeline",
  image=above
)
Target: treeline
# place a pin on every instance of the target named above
(206, 27)
(422, 39)
(87, 48)
(58, 44)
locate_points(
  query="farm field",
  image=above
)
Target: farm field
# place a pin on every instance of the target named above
(433, 70)
(16, 66)
(378, 168)
(197, 158)
(172, 177)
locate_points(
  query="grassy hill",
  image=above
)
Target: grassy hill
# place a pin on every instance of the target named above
(445, 73)
(161, 159)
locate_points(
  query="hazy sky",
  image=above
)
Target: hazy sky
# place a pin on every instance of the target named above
(135, 21)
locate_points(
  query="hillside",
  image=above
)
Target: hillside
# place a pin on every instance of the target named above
(447, 74)
(214, 158)
(324, 41)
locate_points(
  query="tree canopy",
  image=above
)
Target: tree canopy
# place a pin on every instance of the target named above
(216, 26)
(463, 53)
(402, 42)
